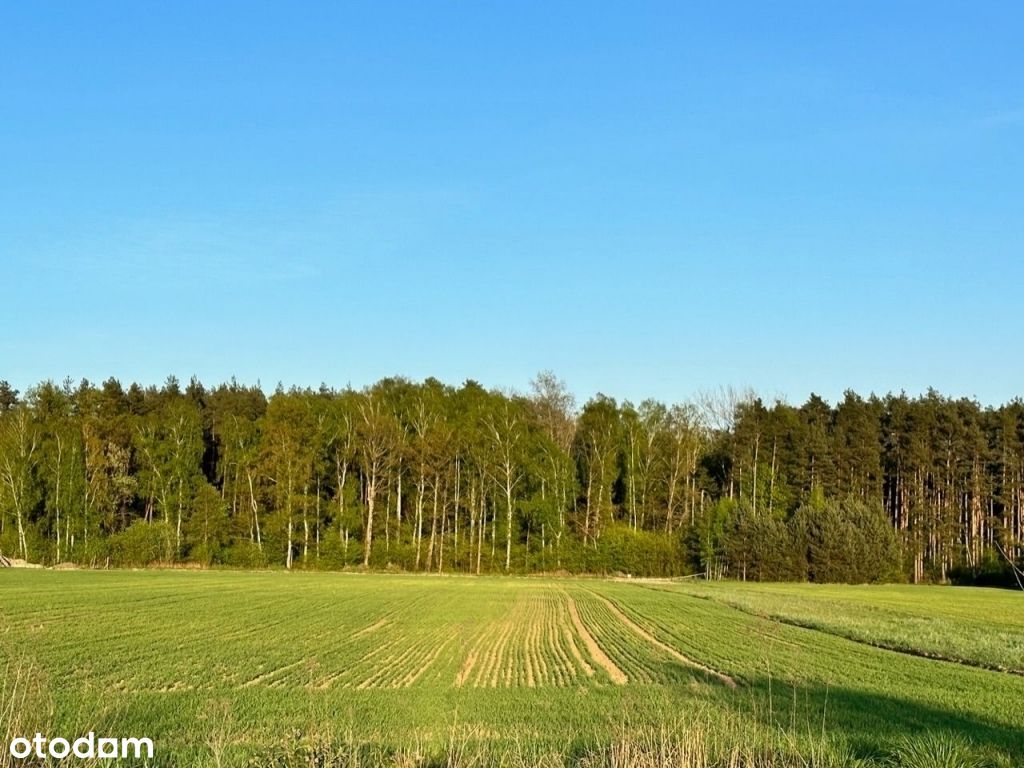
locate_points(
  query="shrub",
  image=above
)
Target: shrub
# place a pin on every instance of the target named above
(143, 543)
(244, 554)
(845, 541)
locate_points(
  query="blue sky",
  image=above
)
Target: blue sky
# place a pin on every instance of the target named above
(651, 199)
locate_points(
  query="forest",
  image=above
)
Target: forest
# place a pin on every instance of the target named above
(428, 477)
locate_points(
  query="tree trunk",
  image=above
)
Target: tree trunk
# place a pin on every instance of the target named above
(371, 498)
(508, 527)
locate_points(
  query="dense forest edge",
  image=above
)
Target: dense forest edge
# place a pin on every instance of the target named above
(427, 477)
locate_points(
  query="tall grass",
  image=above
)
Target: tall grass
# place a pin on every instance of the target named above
(702, 740)
(27, 709)
(700, 744)
(23, 705)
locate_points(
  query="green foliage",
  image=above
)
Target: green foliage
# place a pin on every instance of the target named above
(704, 540)
(761, 547)
(143, 543)
(244, 554)
(409, 474)
(637, 553)
(845, 541)
(937, 750)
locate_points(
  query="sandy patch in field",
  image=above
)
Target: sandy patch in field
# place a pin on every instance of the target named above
(467, 668)
(270, 674)
(372, 628)
(589, 670)
(415, 675)
(596, 652)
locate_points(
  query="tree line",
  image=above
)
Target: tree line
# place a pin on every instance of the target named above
(428, 477)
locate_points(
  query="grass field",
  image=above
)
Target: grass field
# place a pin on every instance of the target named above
(225, 668)
(982, 627)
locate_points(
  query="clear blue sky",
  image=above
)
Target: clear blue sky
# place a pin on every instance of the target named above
(647, 198)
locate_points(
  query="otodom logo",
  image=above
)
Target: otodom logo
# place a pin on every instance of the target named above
(85, 747)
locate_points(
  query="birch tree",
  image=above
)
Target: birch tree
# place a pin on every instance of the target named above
(555, 411)
(506, 431)
(19, 442)
(377, 433)
(597, 447)
(288, 460)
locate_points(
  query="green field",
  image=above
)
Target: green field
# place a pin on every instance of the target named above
(981, 627)
(224, 668)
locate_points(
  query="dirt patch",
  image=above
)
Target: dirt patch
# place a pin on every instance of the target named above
(177, 685)
(325, 682)
(372, 628)
(596, 652)
(389, 664)
(415, 675)
(490, 673)
(526, 673)
(14, 562)
(589, 670)
(467, 668)
(270, 674)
